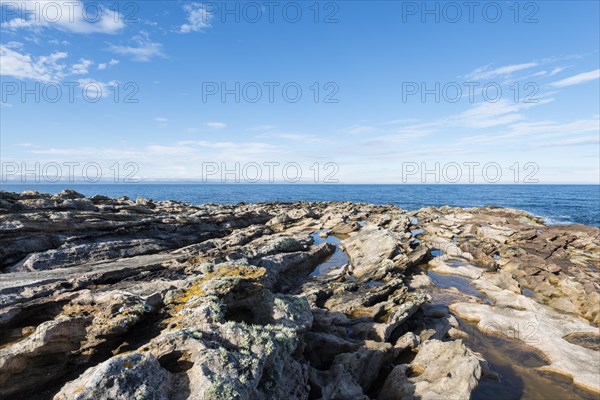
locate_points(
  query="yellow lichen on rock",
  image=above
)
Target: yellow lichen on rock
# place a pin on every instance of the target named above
(228, 273)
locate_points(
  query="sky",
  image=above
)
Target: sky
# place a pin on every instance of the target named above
(309, 92)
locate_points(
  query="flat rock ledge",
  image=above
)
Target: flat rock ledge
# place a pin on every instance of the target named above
(106, 298)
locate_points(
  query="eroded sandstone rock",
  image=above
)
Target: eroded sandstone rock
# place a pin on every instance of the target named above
(441, 370)
(113, 298)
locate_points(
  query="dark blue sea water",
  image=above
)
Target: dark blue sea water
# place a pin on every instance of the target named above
(558, 204)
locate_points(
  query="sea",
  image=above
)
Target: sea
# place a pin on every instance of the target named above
(557, 204)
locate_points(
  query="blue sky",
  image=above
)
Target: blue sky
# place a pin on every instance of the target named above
(369, 61)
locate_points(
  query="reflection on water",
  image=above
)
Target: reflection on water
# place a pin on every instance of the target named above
(516, 363)
(462, 284)
(457, 263)
(437, 253)
(526, 292)
(337, 260)
(512, 359)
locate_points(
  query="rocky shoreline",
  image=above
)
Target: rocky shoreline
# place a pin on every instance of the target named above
(106, 298)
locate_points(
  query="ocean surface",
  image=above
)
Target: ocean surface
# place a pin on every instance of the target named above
(557, 204)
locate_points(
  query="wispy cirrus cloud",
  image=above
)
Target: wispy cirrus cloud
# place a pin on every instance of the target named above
(142, 48)
(509, 74)
(359, 129)
(263, 128)
(392, 140)
(487, 114)
(486, 72)
(233, 151)
(292, 136)
(161, 121)
(540, 133)
(178, 160)
(578, 141)
(481, 115)
(216, 125)
(577, 79)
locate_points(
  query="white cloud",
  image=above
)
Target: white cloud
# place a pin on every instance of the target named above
(170, 150)
(487, 114)
(49, 68)
(400, 121)
(540, 132)
(198, 18)
(556, 71)
(216, 125)
(293, 136)
(82, 67)
(552, 128)
(143, 49)
(233, 151)
(109, 64)
(514, 79)
(487, 73)
(391, 141)
(59, 42)
(14, 45)
(180, 160)
(87, 153)
(25, 66)
(263, 128)
(161, 121)
(482, 115)
(355, 130)
(94, 89)
(71, 16)
(578, 141)
(577, 79)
